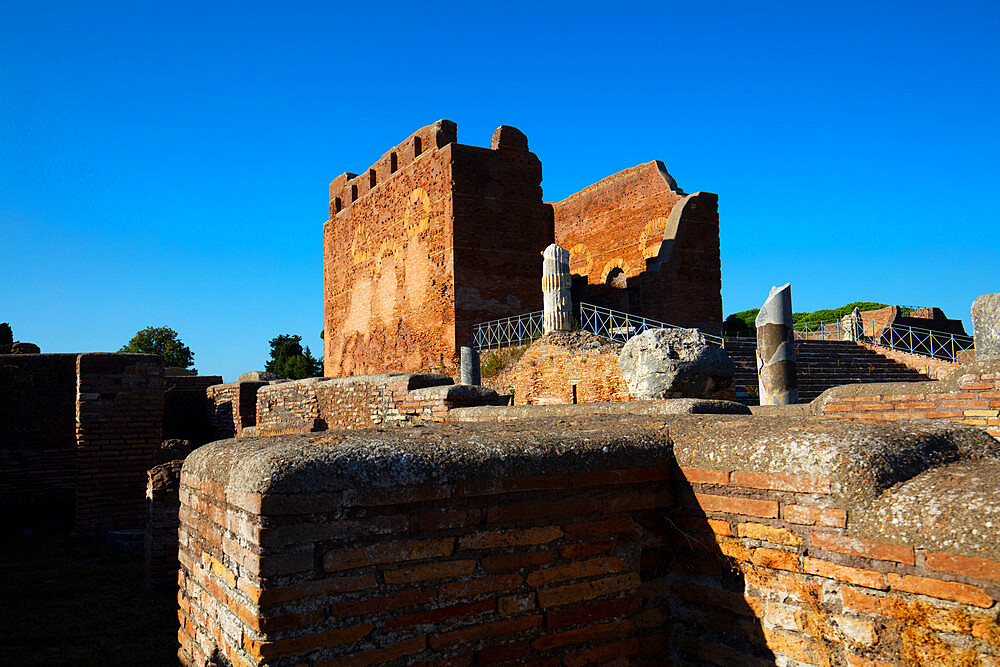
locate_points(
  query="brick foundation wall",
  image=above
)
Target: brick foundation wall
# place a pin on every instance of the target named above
(231, 407)
(185, 407)
(726, 540)
(619, 223)
(970, 396)
(542, 376)
(119, 413)
(319, 404)
(162, 507)
(37, 435)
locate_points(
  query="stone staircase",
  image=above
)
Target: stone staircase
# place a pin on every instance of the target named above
(821, 365)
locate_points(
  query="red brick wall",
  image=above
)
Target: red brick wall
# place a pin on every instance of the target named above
(542, 376)
(974, 399)
(119, 413)
(37, 433)
(810, 590)
(439, 576)
(620, 222)
(319, 404)
(416, 259)
(231, 407)
(729, 563)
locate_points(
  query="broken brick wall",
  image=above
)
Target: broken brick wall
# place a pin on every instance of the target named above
(641, 245)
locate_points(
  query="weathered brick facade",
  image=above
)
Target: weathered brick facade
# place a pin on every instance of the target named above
(437, 236)
(644, 246)
(433, 238)
(730, 540)
(548, 371)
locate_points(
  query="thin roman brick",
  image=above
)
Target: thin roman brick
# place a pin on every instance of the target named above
(516, 484)
(969, 566)
(267, 651)
(374, 605)
(575, 570)
(782, 482)
(737, 505)
(776, 559)
(852, 575)
(580, 635)
(814, 516)
(494, 654)
(376, 554)
(945, 590)
(471, 588)
(429, 571)
(716, 598)
(563, 595)
(379, 655)
(440, 615)
(517, 561)
(863, 548)
(591, 612)
(495, 629)
(585, 549)
(497, 539)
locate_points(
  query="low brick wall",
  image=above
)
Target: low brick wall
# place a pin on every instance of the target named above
(231, 407)
(970, 395)
(724, 539)
(547, 371)
(365, 401)
(162, 507)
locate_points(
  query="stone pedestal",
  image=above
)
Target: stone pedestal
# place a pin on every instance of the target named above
(986, 326)
(556, 284)
(470, 366)
(776, 375)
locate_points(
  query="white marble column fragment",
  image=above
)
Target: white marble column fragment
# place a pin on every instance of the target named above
(776, 349)
(556, 284)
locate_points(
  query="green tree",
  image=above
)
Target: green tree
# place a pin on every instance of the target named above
(6, 338)
(289, 360)
(161, 341)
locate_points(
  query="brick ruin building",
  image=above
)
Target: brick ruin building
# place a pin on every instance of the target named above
(437, 236)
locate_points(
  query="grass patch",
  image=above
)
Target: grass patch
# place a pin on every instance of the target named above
(65, 600)
(501, 361)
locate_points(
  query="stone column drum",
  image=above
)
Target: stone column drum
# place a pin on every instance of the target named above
(776, 349)
(986, 326)
(556, 284)
(470, 367)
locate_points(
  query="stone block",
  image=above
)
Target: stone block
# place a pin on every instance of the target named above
(986, 326)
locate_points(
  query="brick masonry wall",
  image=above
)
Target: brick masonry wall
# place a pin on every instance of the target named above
(119, 413)
(412, 254)
(768, 565)
(37, 433)
(320, 404)
(542, 376)
(231, 407)
(619, 223)
(162, 507)
(736, 562)
(530, 568)
(974, 399)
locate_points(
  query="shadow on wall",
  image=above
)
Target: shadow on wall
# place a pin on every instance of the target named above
(702, 588)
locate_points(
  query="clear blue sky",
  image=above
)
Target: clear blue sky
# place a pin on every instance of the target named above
(167, 163)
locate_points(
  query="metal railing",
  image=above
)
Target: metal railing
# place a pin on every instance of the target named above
(604, 322)
(916, 340)
(507, 332)
(618, 326)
